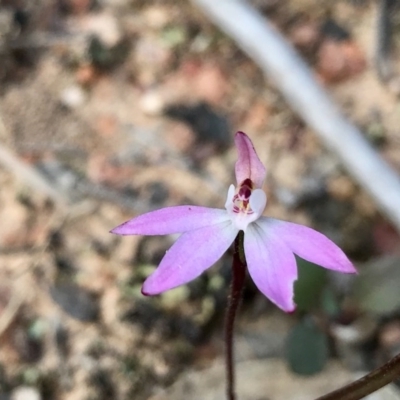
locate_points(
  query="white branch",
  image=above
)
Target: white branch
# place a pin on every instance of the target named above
(288, 72)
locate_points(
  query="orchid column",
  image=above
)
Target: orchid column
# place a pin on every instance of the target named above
(266, 245)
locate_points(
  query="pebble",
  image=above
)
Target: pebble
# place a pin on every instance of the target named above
(25, 393)
(152, 103)
(73, 97)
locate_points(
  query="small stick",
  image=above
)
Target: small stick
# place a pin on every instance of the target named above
(30, 176)
(26, 173)
(369, 383)
(384, 39)
(10, 311)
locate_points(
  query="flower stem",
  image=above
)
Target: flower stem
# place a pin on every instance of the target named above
(369, 383)
(238, 278)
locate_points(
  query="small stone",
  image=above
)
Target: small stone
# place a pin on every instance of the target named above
(73, 97)
(25, 393)
(151, 103)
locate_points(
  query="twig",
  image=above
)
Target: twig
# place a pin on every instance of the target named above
(46, 40)
(384, 40)
(283, 66)
(386, 14)
(99, 192)
(10, 311)
(26, 173)
(368, 384)
(37, 181)
(29, 175)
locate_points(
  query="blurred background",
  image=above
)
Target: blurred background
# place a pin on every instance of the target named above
(110, 108)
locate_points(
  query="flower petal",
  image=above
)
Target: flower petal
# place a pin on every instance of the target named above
(172, 220)
(309, 244)
(258, 201)
(229, 198)
(272, 266)
(248, 165)
(193, 253)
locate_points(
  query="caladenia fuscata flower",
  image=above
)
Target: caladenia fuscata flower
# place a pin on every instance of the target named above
(206, 233)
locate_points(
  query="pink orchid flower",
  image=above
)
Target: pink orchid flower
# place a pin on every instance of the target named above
(269, 244)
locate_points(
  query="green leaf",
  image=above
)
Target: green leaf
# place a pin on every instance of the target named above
(309, 285)
(376, 288)
(329, 302)
(307, 348)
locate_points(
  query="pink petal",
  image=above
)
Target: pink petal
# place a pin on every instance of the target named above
(248, 165)
(172, 220)
(308, 244)
(272, 266)
(193, 253)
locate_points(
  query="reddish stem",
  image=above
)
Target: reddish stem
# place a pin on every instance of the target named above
(368, 384)
(238, 278)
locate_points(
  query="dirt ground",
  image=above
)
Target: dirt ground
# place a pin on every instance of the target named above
(126, 106)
